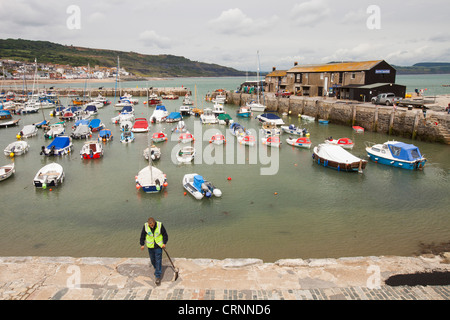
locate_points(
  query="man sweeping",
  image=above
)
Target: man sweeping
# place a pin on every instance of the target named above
(154, 235)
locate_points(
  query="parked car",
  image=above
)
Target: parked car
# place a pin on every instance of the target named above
(386, 98)
(284, 94)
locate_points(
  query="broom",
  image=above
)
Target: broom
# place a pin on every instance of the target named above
(175, 276)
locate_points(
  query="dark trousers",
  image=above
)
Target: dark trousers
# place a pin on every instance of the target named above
(156, 260)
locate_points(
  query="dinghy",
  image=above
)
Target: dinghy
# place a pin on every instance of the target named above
(198, 187)
(218, 139)
(292, 129)
(302, 142)
(6, 171)
(335, 157)
(159, 137)
(16, 148)
(51, 175)
(345, 143)
(186, 154)
(91, 150)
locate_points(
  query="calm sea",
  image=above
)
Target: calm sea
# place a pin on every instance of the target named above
(299, 210)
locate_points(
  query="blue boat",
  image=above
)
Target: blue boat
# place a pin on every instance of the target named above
(174, 117)
(96, 125)
(323, 121)
(397, 154)
(59, 146)
(105, 135)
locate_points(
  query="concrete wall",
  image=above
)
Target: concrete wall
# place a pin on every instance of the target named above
(435, 127)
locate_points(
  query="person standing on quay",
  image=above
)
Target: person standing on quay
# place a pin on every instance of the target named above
(154, 235)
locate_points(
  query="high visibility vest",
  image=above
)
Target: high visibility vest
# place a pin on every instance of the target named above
(151, 237)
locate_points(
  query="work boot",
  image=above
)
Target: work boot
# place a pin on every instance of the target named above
(158, 281)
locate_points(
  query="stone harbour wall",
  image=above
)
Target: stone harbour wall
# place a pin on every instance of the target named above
(432, 126)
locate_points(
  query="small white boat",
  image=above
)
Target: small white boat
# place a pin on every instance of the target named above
(155, 153)
(345, 143)
(270, 129)
(123, 116)
(185, 110)
(248, 140)
(208, 117)
(302, 142)
(51, 175)
(292, 129)
(91, 150)
(256, 106)
(159, 115)
(218, 108)
(151, 180)
(270, 117)
(218, 139)
(186, 137)
(198, 187)
(6, 171)
(28, 131)
(180, 127)
(55, 130)
(159, 137)
(186, 154)
(307, 118)
(16, 148)
(82, 131)
(336, 157)
(271, 141)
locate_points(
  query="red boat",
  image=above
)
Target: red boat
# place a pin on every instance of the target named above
(159, 137)
(218, 139)
(345, 143)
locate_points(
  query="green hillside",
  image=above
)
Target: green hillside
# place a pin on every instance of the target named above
(138, 64)
(425, 68)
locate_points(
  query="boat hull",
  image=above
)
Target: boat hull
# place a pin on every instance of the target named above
(413, 165)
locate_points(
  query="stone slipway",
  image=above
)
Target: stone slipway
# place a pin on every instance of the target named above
(365, 278)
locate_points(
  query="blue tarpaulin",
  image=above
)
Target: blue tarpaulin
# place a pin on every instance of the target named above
(59, 143)
(403, 151)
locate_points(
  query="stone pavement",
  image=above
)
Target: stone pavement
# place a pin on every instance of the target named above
(358, 278)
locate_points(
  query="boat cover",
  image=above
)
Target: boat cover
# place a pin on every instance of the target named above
(404, 151)
(335, 153)
(81, 122)
(94, 123)
(60, 143)
(270, 116)
(149, 175)
(174, 115)
(141, 123)
(104, 133)
(91, 107)
(198, 181)
(127, 109)
(224, 116)
(161, 107)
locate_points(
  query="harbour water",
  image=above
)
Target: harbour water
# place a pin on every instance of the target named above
(299, 210)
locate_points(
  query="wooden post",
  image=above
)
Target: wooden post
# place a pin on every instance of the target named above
(391, 122)
(416, 123)
(353, 115)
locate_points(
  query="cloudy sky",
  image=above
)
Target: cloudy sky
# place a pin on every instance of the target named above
(231, 32)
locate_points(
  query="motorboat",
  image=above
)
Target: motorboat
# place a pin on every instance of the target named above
(218, 139)
(244, 112)
(256, 106)
(186, 137)
(218, 108)
(208, 117)
(129, 98)
(292, 129)
(42, 124)
(237, 130)
(336, 157)
(186, 154)
(197, 112)
(61, 145)
(270, 129)
(159, 114)
(397, 154)
(7, 171)
(105, 135)
(50, 175)
(82, 131)
(96, 125)
(153, 100)
(358, 129)
(248, 140)
(187, 100)
(174, 117)
(159, 137)
(140, 125)
(91, 150)
(185, 110)
(225, 118)
(270, 117)
(198, 187)
(151, 179)
(271, 141)
(123, 116)
(127, 135)
(123, 103)
(220, 98)
(91, 108)
(170, 96)
(345, 143)
(54, 130)
(301, 142)
(152, 151)
(307, 118)
(28, 131)
(16, 148)
(180, 127)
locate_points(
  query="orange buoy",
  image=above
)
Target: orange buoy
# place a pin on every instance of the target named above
(275, 193)
(229, 178)
(185, 193)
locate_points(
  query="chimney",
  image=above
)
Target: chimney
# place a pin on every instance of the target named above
(295, 63)
(274, 68)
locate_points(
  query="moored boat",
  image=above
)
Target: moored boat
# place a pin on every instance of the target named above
(271, 141)
(198, 187)
(6, 171)
(345, 143)
(186, 154)
(301, 142)
(292, 129)
(159, 137)
(16, 148)
(59, 146)
(396, 154)
(218, 139)
(50, 175)
(140, 125)
(91, 150)
(335, 157)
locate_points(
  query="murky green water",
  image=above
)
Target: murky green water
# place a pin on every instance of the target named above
(317, 212)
